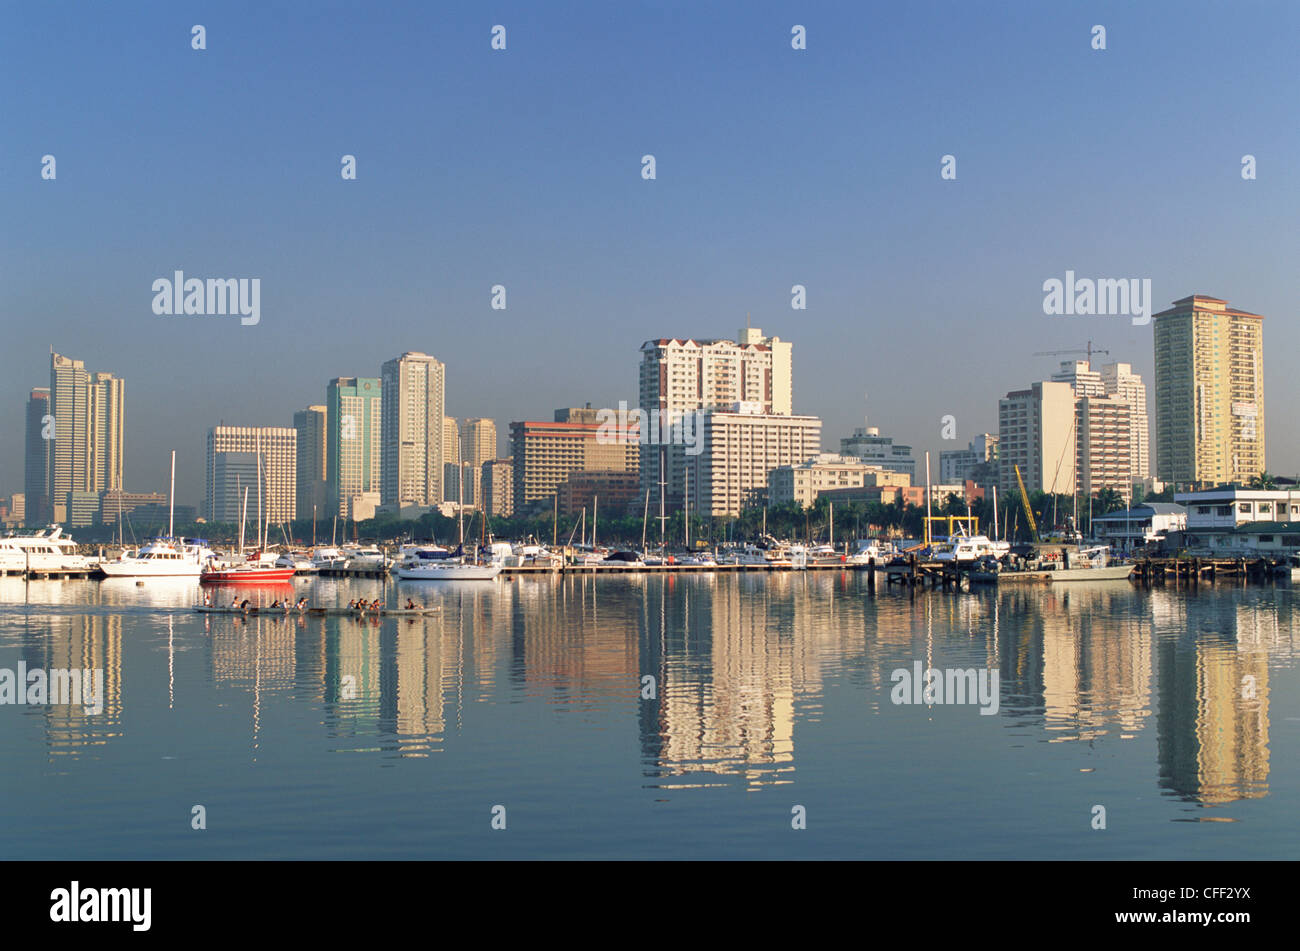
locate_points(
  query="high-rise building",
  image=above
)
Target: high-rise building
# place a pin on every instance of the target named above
(233, 464)
(1104, 455)
(684, 376)
(1123, 384)
(1083, 379)
(106, 428)
(1037, 432)
(870, 447)
(86, 455)
(414, 386)
(497, 487)
(478, 445)
(311, 425)
(545, 453)
(70, 451)
(451, 475)
(353, 451)
(36, 481)
(739, 449)
(1209, 392)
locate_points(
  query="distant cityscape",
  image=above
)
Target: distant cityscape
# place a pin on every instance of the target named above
(714, 430)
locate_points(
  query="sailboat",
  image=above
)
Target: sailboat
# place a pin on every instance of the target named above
(457, 567)
(257, 567)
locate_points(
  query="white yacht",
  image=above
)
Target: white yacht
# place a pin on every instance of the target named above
(301, 561)
(367, 559)
(966, 549)
(161, 558)
(452, 567)
(46, 550)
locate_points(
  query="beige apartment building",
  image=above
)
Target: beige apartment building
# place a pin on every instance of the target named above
(478, 445)
(497, 487)
(739, 449)
(545, 453)
(826, 472)
(412, 426)
(1104, 452)
(1209, 393)
(1036, 431)
(679, 376)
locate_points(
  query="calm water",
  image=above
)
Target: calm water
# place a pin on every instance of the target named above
(333, 738)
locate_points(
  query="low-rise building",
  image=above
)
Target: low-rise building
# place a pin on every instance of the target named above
(803, 482)
(1142, 526)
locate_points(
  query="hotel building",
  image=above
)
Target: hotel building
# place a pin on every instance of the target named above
(545, 453)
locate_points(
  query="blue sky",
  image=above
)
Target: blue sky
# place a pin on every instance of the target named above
(522, 167)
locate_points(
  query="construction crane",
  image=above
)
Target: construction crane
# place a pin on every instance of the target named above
(1024, 500)
(1061, 353)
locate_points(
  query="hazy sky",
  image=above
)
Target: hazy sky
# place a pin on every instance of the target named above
(522, 167)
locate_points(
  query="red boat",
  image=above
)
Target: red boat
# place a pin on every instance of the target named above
(256, 570)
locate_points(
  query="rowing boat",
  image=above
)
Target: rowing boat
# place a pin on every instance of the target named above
(322, 612)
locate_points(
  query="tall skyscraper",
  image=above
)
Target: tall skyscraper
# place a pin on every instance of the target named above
(233, 463)
(310, 424)
(1036, 431)
(1123, 384)
(414, 387)
(451, 481)
(106, 428)
(1209, 392)
(71, 448)
(478, 445)
(353, 448)
(36, 480)
(682, 376)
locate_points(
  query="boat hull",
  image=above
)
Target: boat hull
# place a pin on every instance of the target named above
(449, 573)
(247, 576)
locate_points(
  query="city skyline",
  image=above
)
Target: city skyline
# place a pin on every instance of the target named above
(924, 295)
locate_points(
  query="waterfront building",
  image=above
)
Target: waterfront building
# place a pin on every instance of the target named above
(1209, 392)
(15, 514)
(803, 482)
(106, 427)
(413, 445)
(353, 428)
(1036, 431)
(1230, 506)
(958, 465)
(232, 463)
(683, 376)
(867, 444)
(1142, 526)
(739, 449)
(36, 481)
(545, 453)
(497, 487)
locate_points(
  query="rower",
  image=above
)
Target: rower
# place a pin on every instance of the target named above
(410, 605)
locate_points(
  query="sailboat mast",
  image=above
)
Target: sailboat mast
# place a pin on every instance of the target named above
(243, 520)
(927, 497)
(171, 501)
(996, 538)
(645, 518)
(594, 500)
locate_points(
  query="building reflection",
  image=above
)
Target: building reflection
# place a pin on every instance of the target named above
(78, 642)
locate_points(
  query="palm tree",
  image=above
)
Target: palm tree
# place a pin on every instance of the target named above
(1265, 480)
(1108, 500)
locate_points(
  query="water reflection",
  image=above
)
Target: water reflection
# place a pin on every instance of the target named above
(720, 673)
